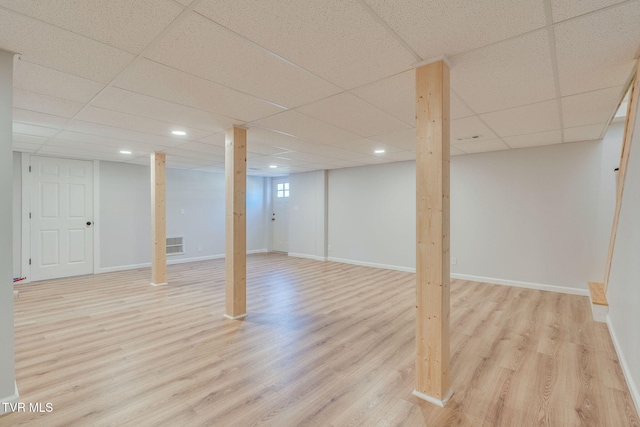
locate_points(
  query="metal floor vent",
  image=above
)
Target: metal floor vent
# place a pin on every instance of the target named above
(175, 245)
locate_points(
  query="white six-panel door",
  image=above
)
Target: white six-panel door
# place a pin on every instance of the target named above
(61, 218)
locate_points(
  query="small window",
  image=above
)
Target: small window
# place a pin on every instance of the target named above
(283, 189)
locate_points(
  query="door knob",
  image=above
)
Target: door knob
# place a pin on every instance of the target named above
(88, 222)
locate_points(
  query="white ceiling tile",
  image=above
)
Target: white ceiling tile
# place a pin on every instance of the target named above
(597, 50)
(254, 148)
(308, 32)
(146, 106)
(27, 129)
(277, 140)
(590, 107)
(447, 27)
(504, 75)
(401, 156)
(482, 146)
(127, 25)
(137, 123)
(469, 127)
(453, 151)
(458, 108)
(584, 133)
(203, 48)
(395, 95)
(534, 139)
(293, 123)
(333, 151)
(29, 139)
(39, 119)
(98, 148)
(567, 9)
(215, 139)
(47, 81)
(305, 157)
(26, 100)
(533, 118)
(195, 155)
(117, 144)
(368, 146)
(122, 134)
(76, 153)
(404, 139)
(162, 82)
(353, 114)
(53, 47)
(201, 147)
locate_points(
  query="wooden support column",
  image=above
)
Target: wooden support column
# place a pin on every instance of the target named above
(632, 112)
(432, 234)
(236, 223)
(158, 220)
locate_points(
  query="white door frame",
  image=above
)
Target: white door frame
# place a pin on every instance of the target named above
(26, 208)
(274, 182)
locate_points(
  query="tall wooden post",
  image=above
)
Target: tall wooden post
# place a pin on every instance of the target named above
(236, 223)
(158, 219)
(432, 235)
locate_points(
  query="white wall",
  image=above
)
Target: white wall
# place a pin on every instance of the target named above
(7, 364)
(528, 215)
(125, 229)
(125, 215)
(372, 215)
(307, 215)
(531, 217)
(623, 292)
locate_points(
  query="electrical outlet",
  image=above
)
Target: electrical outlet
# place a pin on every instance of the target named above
(329, 247)
(199, 248)
(454, 261)
(181, 211)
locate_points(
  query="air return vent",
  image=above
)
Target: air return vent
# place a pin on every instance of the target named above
(175, 245)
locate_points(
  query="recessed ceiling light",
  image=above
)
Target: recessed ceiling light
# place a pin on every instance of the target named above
(125, 152)
(178, 132)
(273, 166)
(379, 151)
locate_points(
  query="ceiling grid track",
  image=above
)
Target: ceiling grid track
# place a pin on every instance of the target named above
(554, 62)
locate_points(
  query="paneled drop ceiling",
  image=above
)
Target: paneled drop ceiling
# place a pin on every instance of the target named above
(320, 84)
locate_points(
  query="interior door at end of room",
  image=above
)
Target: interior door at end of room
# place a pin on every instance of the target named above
(61, 218)
(280, 214)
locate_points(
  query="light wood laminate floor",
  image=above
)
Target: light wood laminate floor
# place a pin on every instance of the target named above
(325, 344)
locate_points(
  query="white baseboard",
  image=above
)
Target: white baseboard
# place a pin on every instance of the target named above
(172, 261)
(242, 316)
(633, 387)
(307, 256)
(517, 284)
(9, 399)
(372, 264)
(433, 400)
(491, 280)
